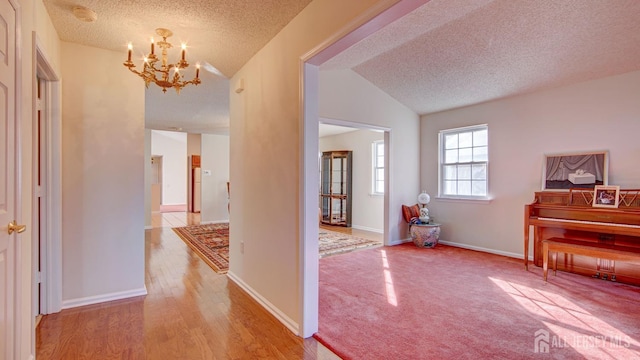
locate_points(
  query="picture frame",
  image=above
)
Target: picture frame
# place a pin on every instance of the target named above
(606, 196)
(584, 170)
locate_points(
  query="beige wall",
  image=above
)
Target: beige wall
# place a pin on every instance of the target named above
(265, 159)
(596, 115)
(103, 177)
(147, 179)
(194, 144)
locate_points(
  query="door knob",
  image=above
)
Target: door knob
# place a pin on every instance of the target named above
(15, 227)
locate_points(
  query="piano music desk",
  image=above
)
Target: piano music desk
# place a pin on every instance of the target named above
(577, 247)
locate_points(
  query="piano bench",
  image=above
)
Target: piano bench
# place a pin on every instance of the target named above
(577, 247)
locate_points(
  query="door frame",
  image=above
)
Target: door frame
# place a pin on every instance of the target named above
(373, 19)
(51, 230)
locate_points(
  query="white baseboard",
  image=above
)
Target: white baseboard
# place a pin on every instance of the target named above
(367, 229)
(399, 241)
(469, 247)
(478, 248)
(68, 304)
(284, 319)
(214, 222)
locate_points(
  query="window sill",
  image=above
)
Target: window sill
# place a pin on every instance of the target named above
(469, 200)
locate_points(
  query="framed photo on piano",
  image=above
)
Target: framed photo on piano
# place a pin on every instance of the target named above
(583, 170)
(606, 196)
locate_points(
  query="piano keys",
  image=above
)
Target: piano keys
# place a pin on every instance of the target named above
(570, 215)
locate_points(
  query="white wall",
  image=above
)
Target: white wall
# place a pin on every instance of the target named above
(596, 115)
(172, 146)
(103, 177)
(345, 95)
(367, 210)
(215, 158)
(265, 159)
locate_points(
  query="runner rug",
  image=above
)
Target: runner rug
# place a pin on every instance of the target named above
(211, 243)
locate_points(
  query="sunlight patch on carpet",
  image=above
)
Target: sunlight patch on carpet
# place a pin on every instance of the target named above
(567, 325)
(392, 299)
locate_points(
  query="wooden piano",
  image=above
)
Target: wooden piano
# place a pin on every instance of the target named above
(570, 215)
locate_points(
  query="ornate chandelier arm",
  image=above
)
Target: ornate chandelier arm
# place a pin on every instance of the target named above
(160, 75)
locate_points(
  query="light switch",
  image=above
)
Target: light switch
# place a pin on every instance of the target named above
(206, 172)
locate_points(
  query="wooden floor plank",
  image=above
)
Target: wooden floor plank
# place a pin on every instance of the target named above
(190, 312)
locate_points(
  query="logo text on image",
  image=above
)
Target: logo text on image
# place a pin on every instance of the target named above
(541, 342)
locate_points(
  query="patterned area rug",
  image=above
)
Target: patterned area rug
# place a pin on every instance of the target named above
(332, 242)
(211, 243)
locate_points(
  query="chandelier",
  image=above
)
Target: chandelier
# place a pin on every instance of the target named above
(160, 74)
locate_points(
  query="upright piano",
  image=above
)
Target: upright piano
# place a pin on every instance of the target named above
(570, 215)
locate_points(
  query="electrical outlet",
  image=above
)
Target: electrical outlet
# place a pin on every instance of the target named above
(242, 247)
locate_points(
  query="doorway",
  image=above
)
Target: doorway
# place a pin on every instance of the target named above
(310, 69)
(366, 177)
(156, 182)
(47, 188)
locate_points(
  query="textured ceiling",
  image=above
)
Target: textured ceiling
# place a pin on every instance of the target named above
(445, 54)
(222, 33)
(454, 53)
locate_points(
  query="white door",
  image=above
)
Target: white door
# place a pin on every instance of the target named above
(7, 177)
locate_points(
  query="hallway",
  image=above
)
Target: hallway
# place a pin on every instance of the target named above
(190, 312)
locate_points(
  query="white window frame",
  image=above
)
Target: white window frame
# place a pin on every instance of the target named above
(374, 174)
(441, 162)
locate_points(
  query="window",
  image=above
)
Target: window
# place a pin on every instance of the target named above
(378, 167)
(464, 159)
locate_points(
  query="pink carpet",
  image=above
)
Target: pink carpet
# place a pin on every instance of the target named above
(404, 302)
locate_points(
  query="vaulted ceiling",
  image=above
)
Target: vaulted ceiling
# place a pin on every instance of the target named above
(445, 54)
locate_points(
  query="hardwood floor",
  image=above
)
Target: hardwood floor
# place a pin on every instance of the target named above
(190, 312)
(174, 219)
